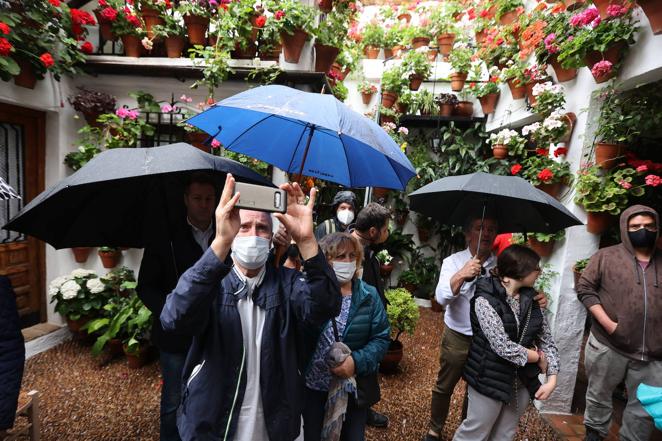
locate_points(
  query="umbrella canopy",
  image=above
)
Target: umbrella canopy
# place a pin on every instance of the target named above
(6, 192)
(517, 205)
(307, 133)
(123, 197)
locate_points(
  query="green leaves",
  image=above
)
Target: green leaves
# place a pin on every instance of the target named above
(402, 311)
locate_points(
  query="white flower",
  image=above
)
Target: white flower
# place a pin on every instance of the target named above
(81, 272)
(540, 88)
(531, 128)
(423, 49)
(95, 285)
(403, 130)
(552, 123)
(56, 283)
(69, 289)
(147, 43)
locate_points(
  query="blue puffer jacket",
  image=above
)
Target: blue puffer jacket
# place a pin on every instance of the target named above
(367, 333)
(204, 305)
(12, 354)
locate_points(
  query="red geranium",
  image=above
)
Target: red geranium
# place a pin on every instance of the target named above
(5, 47)
(82, 17)
(103, 3)
(4, 28)
(542, 152)
(109, 14)
(134, 20)
(260, 21)
(55, 3)
(87, 48)
(47, 59)
(279, 14)
(545, 175)
(560, 151)
(515, 169)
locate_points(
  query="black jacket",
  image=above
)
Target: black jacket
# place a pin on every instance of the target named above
(484, 370)
(161, 267)
(12, 354)
(371, 274)
(204, 306)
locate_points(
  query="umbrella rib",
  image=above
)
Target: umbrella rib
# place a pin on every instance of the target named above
(349, 171)
(269, 115)
(294, 153)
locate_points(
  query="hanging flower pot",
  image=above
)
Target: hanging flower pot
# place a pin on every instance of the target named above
(397, 51)
(571, 5)
(607, 155)
(336, 69)
(196, 27)
(132, 45)
(371, 52)
(272, 54)
(543, 249)
(480, 36)
(529, 92)
(562, 74)
(551, 189)
(446, 109)
(293, 44)
(415, 82)
(379, 193)
(152, 18)
(445, 43)
(597, 222)
(401, 108)
(517, 89)
(499, 151)
(392, 359)
(26, 77)
(109, 258)
(81, 253)
(570, 119)
(417, 42)
(432, 54)
(366, 97)
(603, 64)
(457, 81)
(653, 10)
(388, 53)
(464, 108)
(423, 235)
(406, 17)
(325, 5)
(385, 270)
(324, 57)
(576, 275)
(174, 46)
(508, 18)
(400, 217)
(388, 99)
(105, 27)
(384, 119)
(488, 102)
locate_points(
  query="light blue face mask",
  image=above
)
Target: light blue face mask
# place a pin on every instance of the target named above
(651, 399)
(344, 271)
(251, 252)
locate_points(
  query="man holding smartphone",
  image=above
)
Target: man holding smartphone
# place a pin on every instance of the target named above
(242, 378)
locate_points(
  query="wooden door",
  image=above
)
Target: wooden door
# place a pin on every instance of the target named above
(22, 258)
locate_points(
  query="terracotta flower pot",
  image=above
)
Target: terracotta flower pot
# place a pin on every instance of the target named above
(529, 92)
(607, 155)
(653, 10)
(371, 52)
(445, 109)
(508, 18)
(110, 259)
(445, 43)
(385, 270)
(401, 108)
(417, 42)
(464, 108)
(379, 193)
(325, 5)
(432, 54)
(174, 46)
(544, 249)
(115, 347)
(480, 36)
(243, 53)
(132, 45)
(457, 81)
(613, 54)
(388, 53)
(406, 17)
(366, 97)
(499, 151)
(388, 99)
(272, 54)
(571, 5)
(196, 27)
(517, 89)
(562, 74)
(137, 360)
(423, 234)
(152, 18)
(488, 102)
(336, 69)
(324, 57)
(293, 44)
(397, 52)
(598, 222)
(105, 27)
(392, 359)
(76, 325)
(551, 189)
(383, 119)
(415, 82)
(81, 254)
(26, 77)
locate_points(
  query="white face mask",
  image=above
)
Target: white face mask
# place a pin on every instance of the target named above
(345, 216)
(344, 271)
(251, 252)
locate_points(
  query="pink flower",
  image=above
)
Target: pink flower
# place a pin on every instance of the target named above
(215, 144)
(596, 22)
(653, 180)
(601, 68)
(615, 10)
(133, 114)
(625, 184)
(185, 99)
(167, 108)
(642, 168)
(122, 112)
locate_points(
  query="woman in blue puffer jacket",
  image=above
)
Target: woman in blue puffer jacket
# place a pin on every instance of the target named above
(363, 326)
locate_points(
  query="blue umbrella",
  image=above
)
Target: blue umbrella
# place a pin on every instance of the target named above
(307, 133)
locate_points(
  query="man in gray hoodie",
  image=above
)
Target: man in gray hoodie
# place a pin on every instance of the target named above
(621, 289)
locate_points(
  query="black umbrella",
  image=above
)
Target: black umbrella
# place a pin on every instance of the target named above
(123, 197)
(517, 205)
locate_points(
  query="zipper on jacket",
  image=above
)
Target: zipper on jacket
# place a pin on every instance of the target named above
(236, 392)
(643, 344)
(196, 371)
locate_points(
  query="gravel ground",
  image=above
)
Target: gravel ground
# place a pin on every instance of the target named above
(81, 400)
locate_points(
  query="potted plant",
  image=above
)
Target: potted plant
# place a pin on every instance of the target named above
(92, 103)
(460, 59)
(393, 40)
(653, 11)
(106, 13)
(446, 103)
(393, 82)
(340, 91)
(464, 107)
(329, 34)
(403, 316)
(373, 39)
(487, 93)
(578, 268)
(78, 297)
(548, 98)
(405, 101)
(385, 265)
(556, 30)
(555, 128)
(109, 256)
(545, 280)
(400, 211)
(173, 32)
(296, 19)
(153, 14)
(545, 173)
(388, 115)
(507, 142)
(367, 90)
(513, 75)
(425, 102)
(196, 18)
(419, 35)
(416, 67)
(424, 226)
(534, 75)
(445, 30)
(604, 196)
(138, 326)
(131, 29)
(543, 243)
(507, 11)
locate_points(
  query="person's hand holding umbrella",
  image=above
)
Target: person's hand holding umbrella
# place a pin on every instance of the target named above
(298, 219)
(227, 220)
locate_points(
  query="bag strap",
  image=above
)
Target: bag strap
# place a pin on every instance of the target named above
(335, 329)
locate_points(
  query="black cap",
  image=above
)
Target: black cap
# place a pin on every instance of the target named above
(344, 196)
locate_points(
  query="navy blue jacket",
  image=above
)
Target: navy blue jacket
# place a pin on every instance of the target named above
(204, 305)
(12, 354)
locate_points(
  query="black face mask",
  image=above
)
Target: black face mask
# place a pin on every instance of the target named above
(642, 238)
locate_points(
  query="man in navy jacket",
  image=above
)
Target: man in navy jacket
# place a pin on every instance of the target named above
(242, 375)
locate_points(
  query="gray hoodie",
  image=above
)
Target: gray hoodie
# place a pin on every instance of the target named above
(630, 295)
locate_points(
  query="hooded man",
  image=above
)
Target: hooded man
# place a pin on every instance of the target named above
(621, 289)
(344, 206)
